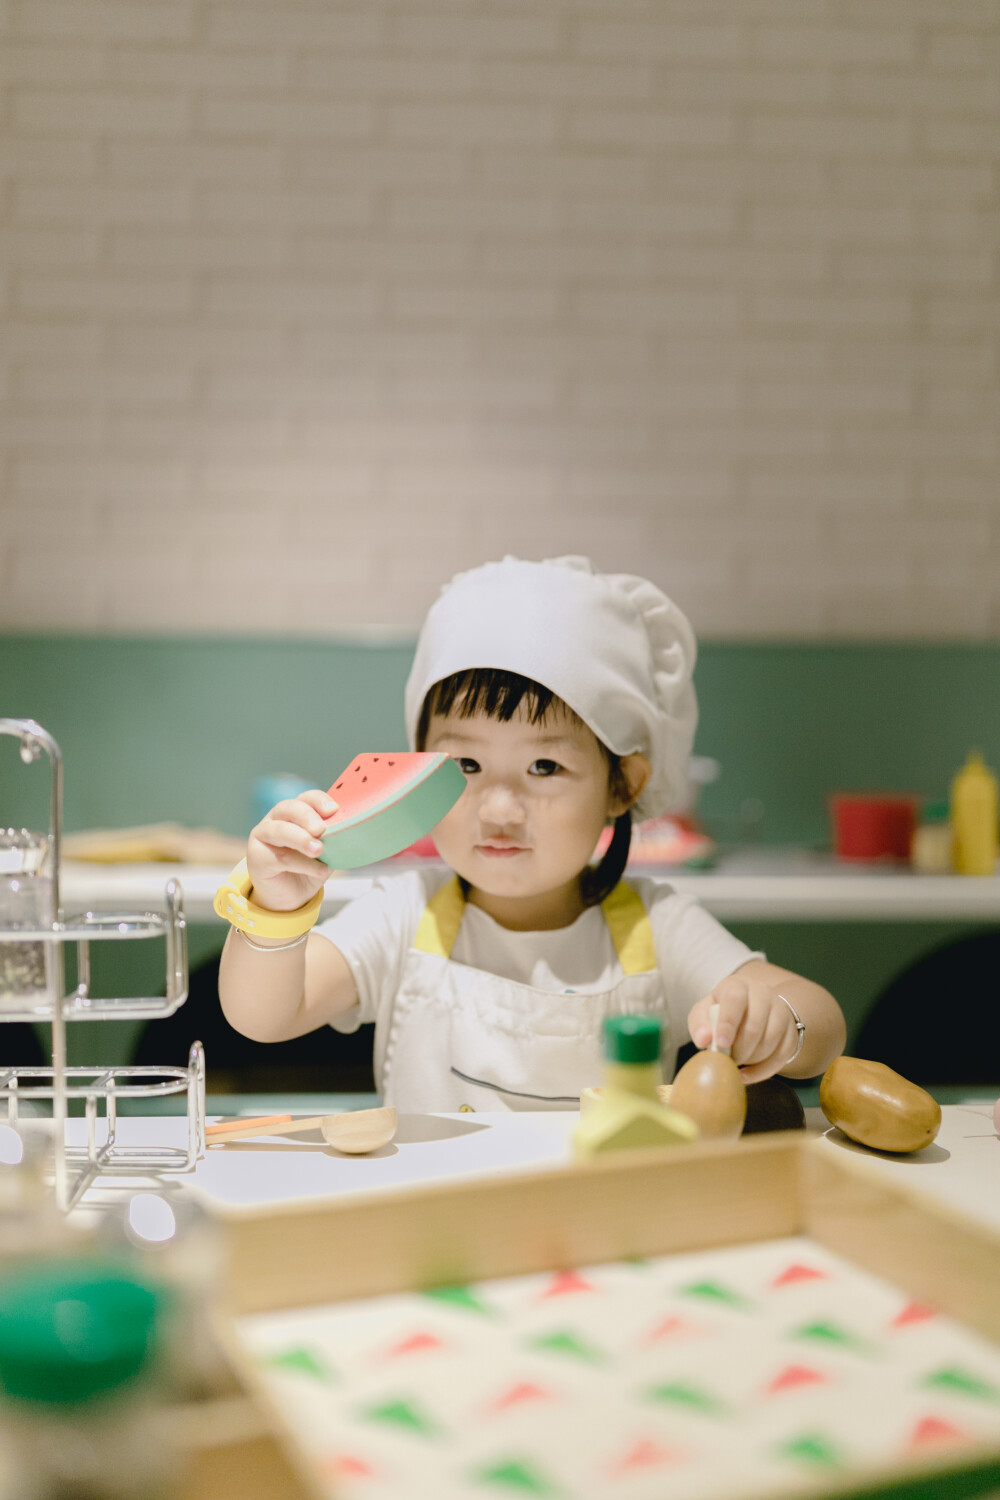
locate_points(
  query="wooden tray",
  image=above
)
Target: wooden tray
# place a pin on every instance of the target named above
(637, 1204)
(233, 1445)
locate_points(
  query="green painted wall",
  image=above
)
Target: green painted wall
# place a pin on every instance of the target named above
(790, 722)
(178, 729)
(157, 729)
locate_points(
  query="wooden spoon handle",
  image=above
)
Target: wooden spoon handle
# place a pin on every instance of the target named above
(233, 1130)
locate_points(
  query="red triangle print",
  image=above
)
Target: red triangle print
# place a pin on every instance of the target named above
(647, 1455)
(934, 1430)
(564, 1282)
(337, 1465)
(418, 1343)
(672, 1328)
(913, 1312)
(794, 1376)
(796, 1272)
(518, 1395)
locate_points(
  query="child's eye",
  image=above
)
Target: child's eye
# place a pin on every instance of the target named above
(467, 766)
(544, 768)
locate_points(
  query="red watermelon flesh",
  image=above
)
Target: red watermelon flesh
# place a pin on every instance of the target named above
(388, 800)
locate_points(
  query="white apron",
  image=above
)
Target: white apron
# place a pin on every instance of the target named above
(460, 1038)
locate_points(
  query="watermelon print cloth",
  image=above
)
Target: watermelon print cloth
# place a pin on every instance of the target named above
(759, 1370)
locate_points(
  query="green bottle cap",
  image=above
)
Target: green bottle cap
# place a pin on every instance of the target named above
(632, 1039)
(72, 1330)
(936, 811)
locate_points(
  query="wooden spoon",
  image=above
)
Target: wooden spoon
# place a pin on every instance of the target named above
(355, 1132)
(360, 1130)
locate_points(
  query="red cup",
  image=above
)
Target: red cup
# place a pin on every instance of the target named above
(873, 825)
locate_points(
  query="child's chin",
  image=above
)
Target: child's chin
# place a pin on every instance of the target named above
(504, 877)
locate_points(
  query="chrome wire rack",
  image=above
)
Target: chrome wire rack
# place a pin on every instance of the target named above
(33, 937)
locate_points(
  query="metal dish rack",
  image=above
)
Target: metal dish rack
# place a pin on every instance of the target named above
(75, 1167)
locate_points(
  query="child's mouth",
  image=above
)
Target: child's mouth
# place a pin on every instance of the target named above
(500, 851)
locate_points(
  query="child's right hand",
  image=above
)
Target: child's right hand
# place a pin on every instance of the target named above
(282, 850)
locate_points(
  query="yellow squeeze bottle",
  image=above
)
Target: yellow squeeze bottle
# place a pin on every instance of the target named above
(974, 818)
(629, 1112)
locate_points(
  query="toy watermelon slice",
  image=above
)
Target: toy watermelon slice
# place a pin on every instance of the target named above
(387, 801)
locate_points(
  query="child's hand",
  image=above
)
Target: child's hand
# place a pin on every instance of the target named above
(754, 1025)
(281, 853)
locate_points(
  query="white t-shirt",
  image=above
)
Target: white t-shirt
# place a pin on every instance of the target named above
(693, 950)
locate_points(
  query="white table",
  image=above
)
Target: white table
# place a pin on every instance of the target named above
(962, 1167)
(763, 884)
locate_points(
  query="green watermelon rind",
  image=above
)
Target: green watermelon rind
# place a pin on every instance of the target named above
(402, 816)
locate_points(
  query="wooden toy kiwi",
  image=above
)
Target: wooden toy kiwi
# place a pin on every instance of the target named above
(877, 1107)
(709, 1089)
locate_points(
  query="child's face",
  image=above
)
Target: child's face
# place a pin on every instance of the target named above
(535, 803)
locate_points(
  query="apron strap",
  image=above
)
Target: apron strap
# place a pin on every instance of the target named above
(630, 930)
(438, 927)
(623, 911)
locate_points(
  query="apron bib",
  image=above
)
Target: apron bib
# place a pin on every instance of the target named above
(460, 1038)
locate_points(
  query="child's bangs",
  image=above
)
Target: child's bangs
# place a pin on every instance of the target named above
(490, 693)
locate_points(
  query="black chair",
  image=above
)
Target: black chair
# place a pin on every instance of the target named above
(20, 1047)
(324, 1061)
(938, 1021)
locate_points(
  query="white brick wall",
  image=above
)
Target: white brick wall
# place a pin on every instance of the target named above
(306, 304)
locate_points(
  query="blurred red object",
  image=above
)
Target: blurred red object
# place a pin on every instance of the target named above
(424, 848)
(873, 825)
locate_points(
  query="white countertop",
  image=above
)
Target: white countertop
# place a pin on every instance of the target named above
(760, 884)
(962, 1167)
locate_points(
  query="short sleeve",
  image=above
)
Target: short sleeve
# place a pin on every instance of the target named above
(373, 932)
(693, 949)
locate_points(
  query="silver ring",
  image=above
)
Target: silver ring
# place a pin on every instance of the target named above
(800, 1027)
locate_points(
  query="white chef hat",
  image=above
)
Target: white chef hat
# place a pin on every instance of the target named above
(614, 648)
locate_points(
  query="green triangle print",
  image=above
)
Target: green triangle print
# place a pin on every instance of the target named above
(403, 1414)
(714, 1291)
(962, 1383)
(812, 1448)
(515, 1474)
(563, 1341)
(693, 1397)
(459, 1296)
(301, 1361)
(831, 1333)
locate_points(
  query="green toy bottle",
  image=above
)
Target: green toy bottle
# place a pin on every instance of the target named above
(629, 1112)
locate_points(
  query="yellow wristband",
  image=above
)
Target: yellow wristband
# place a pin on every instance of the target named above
(233, 902)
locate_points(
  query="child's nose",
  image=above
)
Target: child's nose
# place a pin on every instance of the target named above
(500, 804)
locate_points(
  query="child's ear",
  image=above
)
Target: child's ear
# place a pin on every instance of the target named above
(636, 770)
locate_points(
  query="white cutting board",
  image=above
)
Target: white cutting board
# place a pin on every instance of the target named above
(962, 1166)
(247, 1173)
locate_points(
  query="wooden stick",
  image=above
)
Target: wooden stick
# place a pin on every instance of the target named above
(233, 1130)
(233, 1124)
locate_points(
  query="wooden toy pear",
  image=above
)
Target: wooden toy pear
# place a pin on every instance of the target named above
(709, 1089)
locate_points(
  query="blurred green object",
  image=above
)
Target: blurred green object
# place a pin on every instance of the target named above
(632, 1039)
(72, 1331)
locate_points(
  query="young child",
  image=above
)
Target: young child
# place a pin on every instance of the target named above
(565, 697)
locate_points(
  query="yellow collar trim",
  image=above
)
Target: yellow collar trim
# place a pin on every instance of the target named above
(623, 911)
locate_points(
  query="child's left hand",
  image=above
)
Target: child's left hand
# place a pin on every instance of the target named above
(754, 1025)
